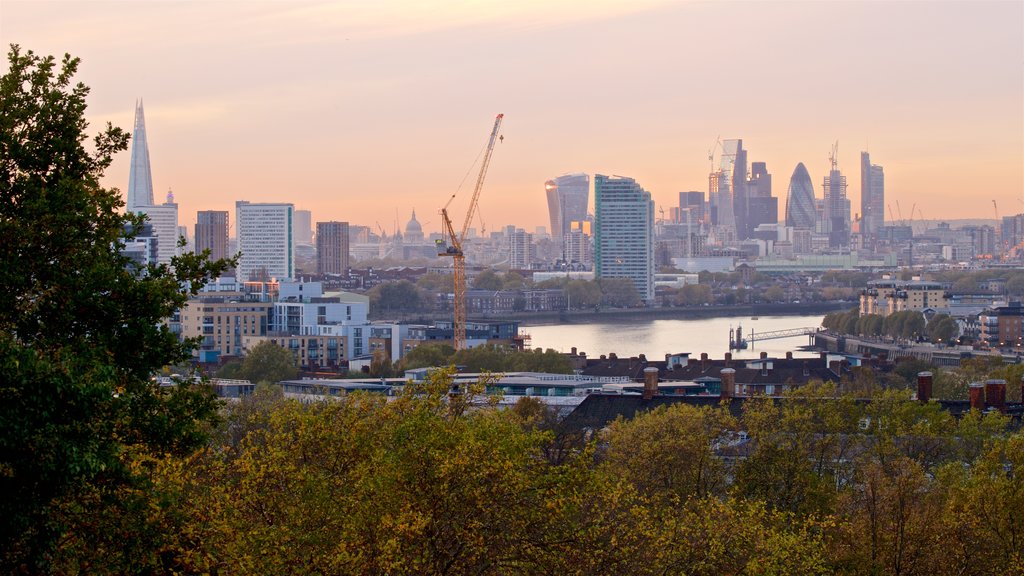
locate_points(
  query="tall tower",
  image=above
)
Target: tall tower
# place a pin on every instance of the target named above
(140, 177)
(624, 232)
(800, 209)
(872, 197)
(211, 233)
(332, 252)
(568, 201)
(266, 240)
(837, 205)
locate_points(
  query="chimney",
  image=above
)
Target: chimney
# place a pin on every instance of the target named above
(650, 382)
(728, 376)
(703, 361)
(924, 386)
(995, 394)
(573, 350)
(728, 358)
(789, 355)
(977, 391)
(764, 355)
(612, 356)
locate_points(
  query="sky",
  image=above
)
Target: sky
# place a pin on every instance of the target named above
(365, 110)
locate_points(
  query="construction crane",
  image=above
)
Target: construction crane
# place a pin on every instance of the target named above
(453, 247)
(891, 217)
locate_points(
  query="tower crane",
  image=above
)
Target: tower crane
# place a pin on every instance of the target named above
(453, 247)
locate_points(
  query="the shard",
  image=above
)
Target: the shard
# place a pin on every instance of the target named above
(140, 179)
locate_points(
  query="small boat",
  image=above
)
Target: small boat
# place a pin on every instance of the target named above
(753, 317)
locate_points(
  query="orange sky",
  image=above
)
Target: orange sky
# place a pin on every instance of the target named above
(355, 110)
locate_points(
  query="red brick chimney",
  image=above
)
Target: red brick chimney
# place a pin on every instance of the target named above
(728, 376)
(650, 383)
(728, 358)
(764, 355)
(703, 361)
(789, 355)
(995, 394)
(977, 391)
(924, 386)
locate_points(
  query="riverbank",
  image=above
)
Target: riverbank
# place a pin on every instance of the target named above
(616, 314)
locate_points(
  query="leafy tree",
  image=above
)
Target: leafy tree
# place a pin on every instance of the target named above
(401, 296)
(774, 293)
(488, 280)
(426, 355)
(619, 293)
(268, 362)
(380, 365)
(81, 326)
(582, 294)
(693, 295)
(942, 328)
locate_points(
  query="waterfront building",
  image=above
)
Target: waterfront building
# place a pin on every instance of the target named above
(887, 296)
(211, 233)
(624, 232)
(568, 201)
(800, 205)
(332, 242)
(140, 176)
(265, 240)
(164, 220)
(872, 197)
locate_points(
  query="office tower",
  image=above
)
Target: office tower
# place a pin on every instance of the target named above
(837, 205)
(872, 197)
(624, 232)
(520, 249)
(578, 247)
(721, 193)
(740, 197)
(140, 177)
(303, 227)
(694, 203)
(568, 201)
(143, 247)
(164, 220)
(800, 208)
(265, 239)
(211, 233)
(332, 240)
(762, 207)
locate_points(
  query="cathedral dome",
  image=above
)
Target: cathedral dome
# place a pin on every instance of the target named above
(413, 230)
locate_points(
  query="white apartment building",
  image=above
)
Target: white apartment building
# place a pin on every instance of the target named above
(265, 239)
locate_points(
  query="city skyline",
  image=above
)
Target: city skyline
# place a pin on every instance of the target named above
(352, 111)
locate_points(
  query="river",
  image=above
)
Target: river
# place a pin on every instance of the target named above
(655, 338)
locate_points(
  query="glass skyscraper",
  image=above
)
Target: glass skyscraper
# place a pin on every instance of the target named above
(568, 200)
(140, 177)
(800, 210)
(872, 197)
(624, 232)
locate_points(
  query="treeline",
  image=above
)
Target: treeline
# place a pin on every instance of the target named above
(484, 358)
(423, 484)
(906, 325)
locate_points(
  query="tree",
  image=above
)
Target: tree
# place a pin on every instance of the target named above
(268, 362)
(619, 292)
(774, 293)
(426, 355)
(401, 296)
(488, 280)
(81, 325)
(942, 328)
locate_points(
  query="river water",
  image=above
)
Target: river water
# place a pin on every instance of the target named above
(655, 338)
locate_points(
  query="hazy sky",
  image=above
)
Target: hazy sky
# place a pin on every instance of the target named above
(358, 109)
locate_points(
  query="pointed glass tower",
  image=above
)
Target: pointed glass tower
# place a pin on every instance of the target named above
(140, 179)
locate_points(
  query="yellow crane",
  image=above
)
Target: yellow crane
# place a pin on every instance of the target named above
(453, 247)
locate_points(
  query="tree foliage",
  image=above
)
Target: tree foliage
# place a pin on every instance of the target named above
(81, 326)
(268, 362)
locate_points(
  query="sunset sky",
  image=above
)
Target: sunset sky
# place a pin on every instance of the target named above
(364, 110)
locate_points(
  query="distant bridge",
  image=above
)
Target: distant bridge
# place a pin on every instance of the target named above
(776, 334)
(737, 340)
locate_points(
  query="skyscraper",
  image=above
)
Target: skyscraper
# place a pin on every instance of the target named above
(568, 200)
(140, 177)
(164, 221)
(624, 232)
(762, 207)
(694, 202)
(265, 240)
(303, 227)
(872, 197)
(211, 233)
(837, 205)
(800, 209)
(721, 193)
(332, 247)
(520, 249)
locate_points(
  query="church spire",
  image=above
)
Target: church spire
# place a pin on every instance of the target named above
(140, 178)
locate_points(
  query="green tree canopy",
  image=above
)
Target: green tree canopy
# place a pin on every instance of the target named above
(81, 326)
(268, 362)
